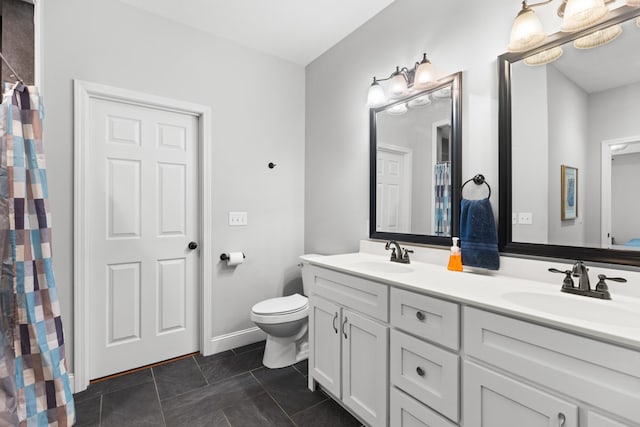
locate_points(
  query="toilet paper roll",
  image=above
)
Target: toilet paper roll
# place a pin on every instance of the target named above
(235, 258)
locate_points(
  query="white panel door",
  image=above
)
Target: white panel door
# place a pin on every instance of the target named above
(142, 217)
(393, 190)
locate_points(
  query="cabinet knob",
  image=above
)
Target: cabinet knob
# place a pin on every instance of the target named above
(561, 419)
(420, 371)
(420, 315)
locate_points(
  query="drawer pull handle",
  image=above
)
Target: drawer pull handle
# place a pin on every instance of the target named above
(420, 315)
(420, 371)
(561, 419)
(335, 328)
(344, 328)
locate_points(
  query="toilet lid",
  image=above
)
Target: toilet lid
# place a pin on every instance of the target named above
(281, 305)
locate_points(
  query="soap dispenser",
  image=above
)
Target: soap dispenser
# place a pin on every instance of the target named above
(455, 258)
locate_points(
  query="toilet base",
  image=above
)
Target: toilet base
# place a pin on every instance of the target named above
(282, 352)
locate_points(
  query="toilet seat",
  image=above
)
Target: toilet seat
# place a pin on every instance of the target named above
(280, 310)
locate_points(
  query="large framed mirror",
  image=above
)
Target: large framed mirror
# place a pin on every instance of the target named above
(570, 147)
(415, 166)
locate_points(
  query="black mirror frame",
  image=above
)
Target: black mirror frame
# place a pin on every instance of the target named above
(455, 80)
(506, 245)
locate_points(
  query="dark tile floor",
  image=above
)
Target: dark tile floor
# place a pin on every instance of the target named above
(229, 389)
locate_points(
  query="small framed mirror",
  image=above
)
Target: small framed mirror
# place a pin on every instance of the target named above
(415, 166)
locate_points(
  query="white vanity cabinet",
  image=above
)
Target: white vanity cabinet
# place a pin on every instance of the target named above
(349, 345)
(539, 376)
(396, 356)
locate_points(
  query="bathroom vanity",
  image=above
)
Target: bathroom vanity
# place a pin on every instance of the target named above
(418, 345)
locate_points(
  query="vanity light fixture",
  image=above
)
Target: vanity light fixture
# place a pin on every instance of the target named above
(527, 31)
(397, 110)
(544, 57)
(401, 81)
(598, 38)
(581, 14)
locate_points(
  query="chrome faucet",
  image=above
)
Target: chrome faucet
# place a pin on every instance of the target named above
(581, 271)
(396, 253)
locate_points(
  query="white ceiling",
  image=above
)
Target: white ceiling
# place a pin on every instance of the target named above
(295, 30)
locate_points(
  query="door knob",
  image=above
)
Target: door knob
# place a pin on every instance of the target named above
(192, 245)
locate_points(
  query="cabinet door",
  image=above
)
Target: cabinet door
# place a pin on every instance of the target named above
(324, 344)
(364, 367)
(494, 400)
(404, 411)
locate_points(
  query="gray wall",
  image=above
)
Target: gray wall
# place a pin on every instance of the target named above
(568, 140)
(530, 151)
(337, 126)
(612, 114)
(258, 117)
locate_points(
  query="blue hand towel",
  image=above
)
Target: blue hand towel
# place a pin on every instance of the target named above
(478, 235)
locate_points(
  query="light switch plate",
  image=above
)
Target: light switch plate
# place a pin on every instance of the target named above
(237, 218)
(525, 218)
(514, 218)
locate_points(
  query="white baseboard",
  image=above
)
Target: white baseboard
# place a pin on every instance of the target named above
(232, 340)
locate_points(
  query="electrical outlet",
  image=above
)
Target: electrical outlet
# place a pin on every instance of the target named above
(514, 218)
(525, 218)
(237, 218)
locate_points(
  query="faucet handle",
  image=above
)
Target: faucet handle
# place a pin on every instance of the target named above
(567, 282)
(406, 253)
(602, 285)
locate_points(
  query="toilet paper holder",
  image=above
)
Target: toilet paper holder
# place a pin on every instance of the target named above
(225, 256)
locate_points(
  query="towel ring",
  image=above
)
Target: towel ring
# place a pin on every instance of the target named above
(478, 180)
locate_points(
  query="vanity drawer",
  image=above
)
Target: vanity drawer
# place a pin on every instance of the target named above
(426, 372)
(365, 296)
(426, 317)
(405, 411)
(601, 374)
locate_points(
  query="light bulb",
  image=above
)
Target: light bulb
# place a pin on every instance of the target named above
(544, 57)
(375, 97)
(425, 74)
(526, 32)
(598, 38)
(398, 84)
(398, 109)
(581, 14)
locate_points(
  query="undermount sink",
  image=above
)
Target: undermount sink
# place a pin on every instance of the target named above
(383, 267)
(585, 309)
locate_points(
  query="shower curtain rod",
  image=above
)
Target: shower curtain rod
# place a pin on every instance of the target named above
(11, 68)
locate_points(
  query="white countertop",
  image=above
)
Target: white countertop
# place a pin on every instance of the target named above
(616, 321)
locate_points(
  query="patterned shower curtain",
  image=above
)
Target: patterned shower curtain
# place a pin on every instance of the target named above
(442, 191)
(34, 384)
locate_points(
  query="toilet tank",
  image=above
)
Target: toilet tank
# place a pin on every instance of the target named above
(307, 277)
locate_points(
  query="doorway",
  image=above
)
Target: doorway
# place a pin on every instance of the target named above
(142, 181)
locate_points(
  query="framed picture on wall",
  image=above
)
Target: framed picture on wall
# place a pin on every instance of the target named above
(569, 192)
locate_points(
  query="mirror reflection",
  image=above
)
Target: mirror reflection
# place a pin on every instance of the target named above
(414, 147)
(575, 146)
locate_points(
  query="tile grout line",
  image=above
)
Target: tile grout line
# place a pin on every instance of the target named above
(155, 385)
(273, 399)
(200, 369)
(99, 413)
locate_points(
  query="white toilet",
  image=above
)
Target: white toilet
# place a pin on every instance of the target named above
(285, 320)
